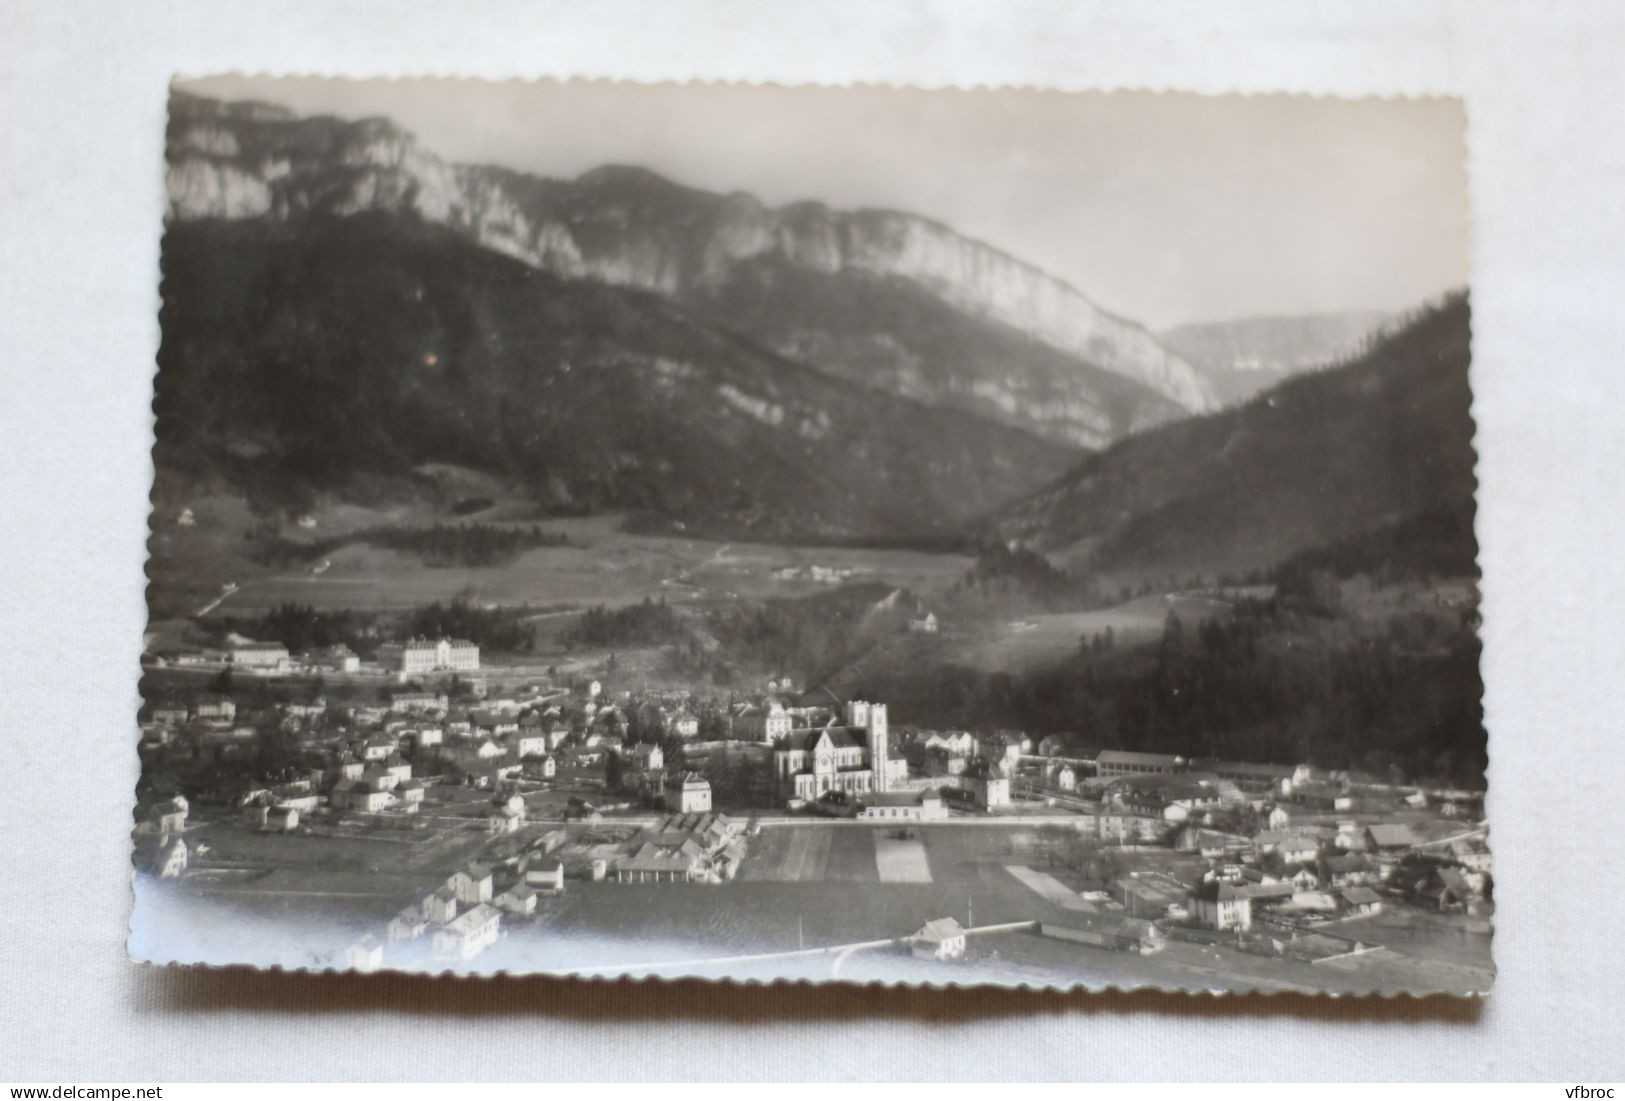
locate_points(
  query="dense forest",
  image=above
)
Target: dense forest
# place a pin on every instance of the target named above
(1271, 683)
(492, 628)
(635, 626)
(1428, 545)
(1027, 572)
(302, 627)
(811, 636)
(1353, 663)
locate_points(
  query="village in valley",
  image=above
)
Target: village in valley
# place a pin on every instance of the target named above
(581, 562)
(426, 811)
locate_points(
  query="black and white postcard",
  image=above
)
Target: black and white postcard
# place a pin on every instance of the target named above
(866, 534)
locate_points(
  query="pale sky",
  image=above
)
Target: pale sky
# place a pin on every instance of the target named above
(1165, 208)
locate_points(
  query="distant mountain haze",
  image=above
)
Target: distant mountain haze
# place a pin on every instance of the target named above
(896, 302)
(1240, 358)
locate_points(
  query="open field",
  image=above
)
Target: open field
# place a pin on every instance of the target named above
(1039, 640)
(1025, 644)
(1045, 886)
(900, 861)
(601, 565)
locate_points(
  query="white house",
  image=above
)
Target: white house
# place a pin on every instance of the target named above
(989, 790)
(756, 724)
(409, 924)
(954, 743)
(689, 793)
(647, 756)
(472, 885)
(547, 876)
(366, 954)
(505, 820)
(519, 899)
(441, 907)
(162, 857)
(468, 935)
(260, 657)
(529, 743)
(169, 816)
(942, 939)
(907, 806)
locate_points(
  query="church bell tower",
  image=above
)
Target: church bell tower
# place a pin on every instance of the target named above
(879, 754)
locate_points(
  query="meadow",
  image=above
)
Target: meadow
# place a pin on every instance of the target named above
(602, 563)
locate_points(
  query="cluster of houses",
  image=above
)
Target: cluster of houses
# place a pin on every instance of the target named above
(463, 916)
(402, 660)
(687, 848)
(1272, 858)
(1283, 844)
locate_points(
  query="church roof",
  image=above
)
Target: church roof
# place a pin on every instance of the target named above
(839, 738)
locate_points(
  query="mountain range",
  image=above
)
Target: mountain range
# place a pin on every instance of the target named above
(343, 308)
(893, 301)
(340, 361)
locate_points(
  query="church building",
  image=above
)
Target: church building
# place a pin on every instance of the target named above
(853, 758)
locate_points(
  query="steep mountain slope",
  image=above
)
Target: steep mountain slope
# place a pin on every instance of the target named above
(1321, 457)
(326, 355)
(1244, 357)
(898, 302)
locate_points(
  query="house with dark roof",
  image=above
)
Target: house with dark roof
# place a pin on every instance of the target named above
(472, 885)
(1390, 837)
(1259, 779)
(1359, 901)
(409, 924)
(1471, 853)
(651, 863)
(1350, 870)
(1121, 934)
(519, 899)
(161, 856)
(904, 806)
(1220, 905)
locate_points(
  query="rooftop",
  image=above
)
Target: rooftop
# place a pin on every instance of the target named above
(1129, 757)
(941, 929)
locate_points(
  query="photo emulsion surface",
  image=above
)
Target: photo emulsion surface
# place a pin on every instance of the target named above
(870, 534)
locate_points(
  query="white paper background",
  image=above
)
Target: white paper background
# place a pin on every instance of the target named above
(82, 94)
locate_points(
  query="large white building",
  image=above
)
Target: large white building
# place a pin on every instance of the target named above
(1121, 762)
(467, 936)
(420, 655)
(261, 657)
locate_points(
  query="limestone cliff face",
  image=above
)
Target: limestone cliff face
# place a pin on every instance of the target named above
(1096, 377)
